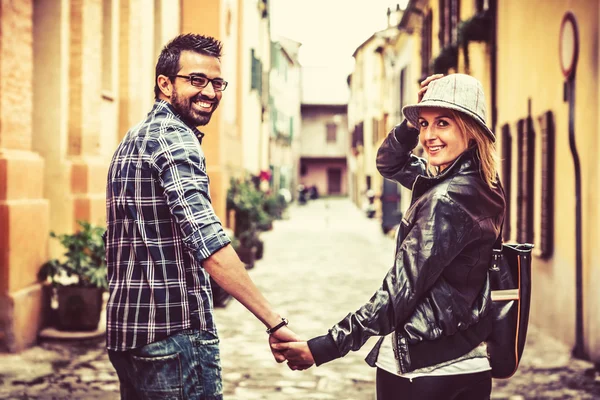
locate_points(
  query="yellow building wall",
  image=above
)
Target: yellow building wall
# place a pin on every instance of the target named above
(221, 144)
(23, 210)
(56, 137)
(529, 69)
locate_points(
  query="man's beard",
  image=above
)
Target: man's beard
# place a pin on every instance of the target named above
(185, 108)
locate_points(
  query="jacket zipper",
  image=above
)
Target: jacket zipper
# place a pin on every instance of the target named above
(395, 350)
(412, 194)
(394, 334)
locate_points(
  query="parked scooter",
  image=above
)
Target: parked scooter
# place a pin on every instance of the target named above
(302, 195)
(370, 207)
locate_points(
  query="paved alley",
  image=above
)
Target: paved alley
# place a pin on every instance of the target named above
(324, 261)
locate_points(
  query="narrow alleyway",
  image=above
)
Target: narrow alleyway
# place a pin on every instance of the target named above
(321, 263)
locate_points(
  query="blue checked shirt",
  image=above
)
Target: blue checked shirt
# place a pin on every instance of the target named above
(160, 227)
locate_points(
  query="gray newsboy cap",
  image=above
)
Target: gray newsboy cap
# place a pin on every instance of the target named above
(457, 92)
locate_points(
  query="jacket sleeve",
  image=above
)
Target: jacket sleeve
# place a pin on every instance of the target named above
(395, 160)
(441, 231)
(179, 164)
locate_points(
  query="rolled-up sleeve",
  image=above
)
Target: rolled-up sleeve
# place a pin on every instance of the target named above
(180, 167)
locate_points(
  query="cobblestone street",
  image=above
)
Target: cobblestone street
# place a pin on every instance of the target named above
(324, 261)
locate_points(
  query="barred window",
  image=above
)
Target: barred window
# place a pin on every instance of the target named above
(426, 44)
(546, 239)
(449, 18)
(525, 183)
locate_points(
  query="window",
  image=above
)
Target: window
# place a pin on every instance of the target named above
(331, 133)
(107, 46)
(357, 135)
(402, 93)
(547, 218)
(375, 127)
(449, 19)
(481, 5)
(525, 199)
(507, 178)
(426, 39)
(384, 125)
(256, 72)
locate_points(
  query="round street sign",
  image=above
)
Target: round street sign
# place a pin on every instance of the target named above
(568, 44)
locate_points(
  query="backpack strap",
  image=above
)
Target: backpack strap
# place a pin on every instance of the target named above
(498, 244)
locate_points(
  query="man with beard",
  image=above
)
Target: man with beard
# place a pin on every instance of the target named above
(164, 239)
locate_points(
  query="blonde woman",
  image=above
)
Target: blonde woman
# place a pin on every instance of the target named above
(433, 308)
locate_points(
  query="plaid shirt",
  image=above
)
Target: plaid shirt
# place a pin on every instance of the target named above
(161, 225)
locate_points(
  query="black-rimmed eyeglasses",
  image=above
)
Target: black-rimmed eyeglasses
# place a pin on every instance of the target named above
(202, 81)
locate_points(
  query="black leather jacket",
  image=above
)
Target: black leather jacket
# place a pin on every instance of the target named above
(436, 296)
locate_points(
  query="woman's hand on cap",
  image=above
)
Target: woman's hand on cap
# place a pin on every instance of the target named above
(425, 83)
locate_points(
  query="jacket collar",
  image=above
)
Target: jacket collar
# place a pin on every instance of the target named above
(465, 163)
(166, 107)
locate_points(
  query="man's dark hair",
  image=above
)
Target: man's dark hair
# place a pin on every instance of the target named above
(168, 61)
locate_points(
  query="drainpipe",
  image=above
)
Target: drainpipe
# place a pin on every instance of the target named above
(494, 62)
(569, 52)
(578, 351)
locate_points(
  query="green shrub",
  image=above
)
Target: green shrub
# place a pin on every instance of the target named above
(84, 258)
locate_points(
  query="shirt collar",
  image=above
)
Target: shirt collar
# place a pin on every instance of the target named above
(164, 105)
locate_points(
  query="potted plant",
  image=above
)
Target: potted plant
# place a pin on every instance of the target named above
(79, 278)
(247, 249)
(274, 205)
(248, 202)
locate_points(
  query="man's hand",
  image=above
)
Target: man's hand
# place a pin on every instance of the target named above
(298, 354)
(281, 335)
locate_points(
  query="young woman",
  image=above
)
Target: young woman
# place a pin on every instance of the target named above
(433, 306)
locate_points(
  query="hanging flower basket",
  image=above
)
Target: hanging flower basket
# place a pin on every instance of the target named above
(448, 58)
(478, 28)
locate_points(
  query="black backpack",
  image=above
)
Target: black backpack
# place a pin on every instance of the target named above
(510, 282)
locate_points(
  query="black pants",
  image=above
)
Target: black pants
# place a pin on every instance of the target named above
(451, 387)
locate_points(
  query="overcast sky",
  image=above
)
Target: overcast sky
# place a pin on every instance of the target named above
(330, 31)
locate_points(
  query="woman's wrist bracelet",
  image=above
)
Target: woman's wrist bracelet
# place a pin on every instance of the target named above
(283, 323)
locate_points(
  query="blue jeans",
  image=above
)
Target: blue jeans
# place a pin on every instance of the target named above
(186, 365)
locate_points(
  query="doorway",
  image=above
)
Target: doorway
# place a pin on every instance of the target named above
(334, 180)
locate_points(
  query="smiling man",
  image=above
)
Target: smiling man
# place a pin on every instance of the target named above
(163, 239)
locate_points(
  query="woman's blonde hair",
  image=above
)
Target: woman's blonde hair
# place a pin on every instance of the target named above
(485, 148)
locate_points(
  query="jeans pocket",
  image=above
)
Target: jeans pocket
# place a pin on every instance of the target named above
(158, 377)
(207, 354)
(205, 338)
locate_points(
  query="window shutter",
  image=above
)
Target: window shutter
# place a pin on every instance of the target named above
(546, 244)
(525, 183)
(507, 178)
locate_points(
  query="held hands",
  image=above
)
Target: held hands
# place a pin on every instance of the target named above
(297, 354)
(281, 335)
(285, 345)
